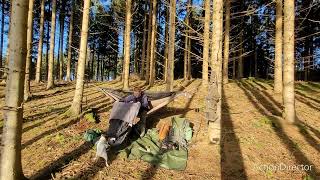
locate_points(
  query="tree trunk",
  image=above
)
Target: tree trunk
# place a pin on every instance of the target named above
(70, 43)
(98, 69)
(2, 33)
(215, 85)
(149, 44)
(143, 56)
(166, 44)
(240, 62)
(278, 50)
(153, 47)
(288, 70)
(50, 83)
(226, 44)
(76, 104)
(47, 47)
(29, 51)
(186, 44)
(40, 45)
(11, 168)
(101, 69)
(206, 42)
(170, 73)
(233, 69)
(126, 68)
(61, 56)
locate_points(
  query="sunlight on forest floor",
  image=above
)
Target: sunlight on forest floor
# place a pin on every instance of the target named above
(253, 135)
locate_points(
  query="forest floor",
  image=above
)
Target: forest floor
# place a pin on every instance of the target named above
(253, 134)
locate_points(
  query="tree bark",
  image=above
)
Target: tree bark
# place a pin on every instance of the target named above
(153, 48)
(61, 56)
(186, 45)
(149, 44)
(47, 47)
(76, 104)
(11, 168)
(143, 56)
(288, 71)
(40, 45)
(278, 50)
(215, 86)
(206, 42)
(240, 62)
(226, 43)
(126, 68)
(70, 43)
(2, 33)
(27, 93)
(166, 48)
(50, 83)
(170, 73)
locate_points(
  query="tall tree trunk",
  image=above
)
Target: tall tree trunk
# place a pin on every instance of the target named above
(61, 56)
(206, 42)
(166, 45)
(215, 85)
(240, 62)
(92, 63)
(101, 69)
(233, 69)
(40, 45)
(98, 67)
(256, 62)
(70, 43)
(288, 56)
(126, 68)
(47, 47)
(11, 168)
(149, 44)
(76, 104)
(2, 34)
(144, 39)
(278, 49)
(170, 72)
(226, 43)
(27, 93)
(50, 83)
(186, 44)
(153, 47)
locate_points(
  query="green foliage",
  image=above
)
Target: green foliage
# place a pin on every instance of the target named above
(60, 138)
(308, 177)
(265, 122)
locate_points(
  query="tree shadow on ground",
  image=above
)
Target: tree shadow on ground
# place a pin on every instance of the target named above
(232, 165)
(265, 109)
(302, 127)
(59, 164)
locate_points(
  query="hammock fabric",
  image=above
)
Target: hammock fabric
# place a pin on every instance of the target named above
(157, 100)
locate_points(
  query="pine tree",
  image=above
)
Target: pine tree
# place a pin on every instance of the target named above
(50, 83)
(40, 45)
(288, 56)
(75, 108)
(29, 51)
(126, 65)
(11, 167)
(172, 32)
(278, 49)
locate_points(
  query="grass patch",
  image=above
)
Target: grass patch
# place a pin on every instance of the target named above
(265, 122)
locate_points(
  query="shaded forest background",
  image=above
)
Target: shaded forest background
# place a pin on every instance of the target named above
(252, 35)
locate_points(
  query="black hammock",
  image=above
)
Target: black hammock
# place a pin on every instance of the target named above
(118, 130)
(157, 100)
